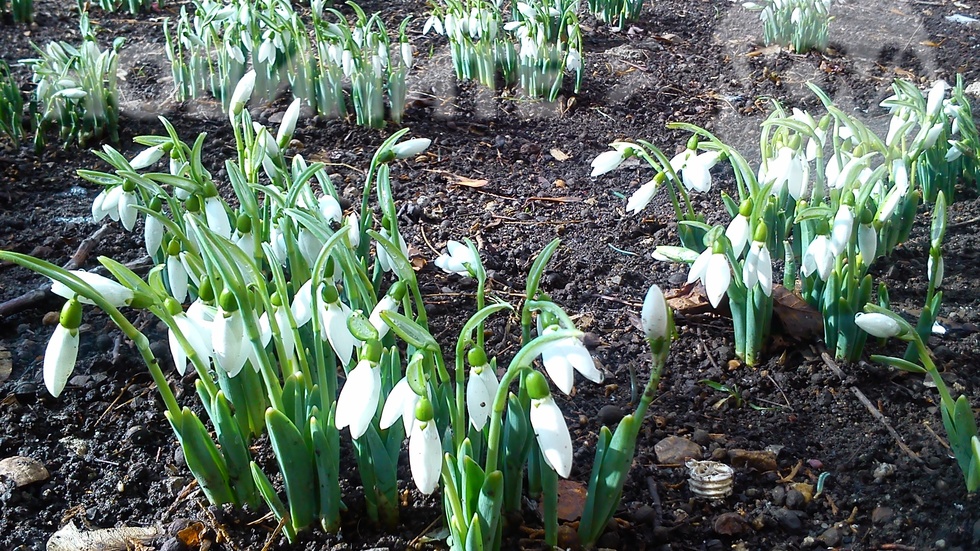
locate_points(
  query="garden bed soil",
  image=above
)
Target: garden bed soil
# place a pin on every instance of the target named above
(886, 475)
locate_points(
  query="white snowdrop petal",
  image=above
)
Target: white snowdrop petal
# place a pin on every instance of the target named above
(425, 456)
(59, 358)
(358, 401)
(552, 435)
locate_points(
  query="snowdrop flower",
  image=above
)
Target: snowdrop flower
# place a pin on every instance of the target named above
(386, 304)
(654, 316)
(790, 170)
(878, 325)
(549, 426)
(410, 148)
(711, 268)
(192, 334)
(358, 401)
(127, 211)
(935, 99)
(333, 316)
(481, 388)
(757, 267)
(214, 212)
(110, 204)
(458, 260)
(288, 124)
(819, 257)
(867, 242)
(642, 196)
(114, 293)
(574, 60)
(931, 136)
(433, 23)
(354, 233)
(147, 157)
(738, 231)
(564, 357)
(231, 348)
(176, 273)
(100, 206)
(608, 161)
(400, 404)
(695, 168)
(425, 449)
(62, 349)
(241, 95)
(330, 208)
(840, 232)
(302, 305)
(954, 152)
(406, 53)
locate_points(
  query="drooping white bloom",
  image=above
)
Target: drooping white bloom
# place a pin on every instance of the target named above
(384, 259)
(654, 314)
(552, 435)
(406, 53)
(354, 233)
(110, 204)
(878, 325)
(99, 208)
(695, 172)
(790, 170)
(867, 242)
(400, 404)
(59, 358)
(425, 455)
(410, 148)
(757, 268)
(330, 208)
(288, 124)
(333, 329)
(241, 95)
(147, 157)
(127, 210)
(228, 341)
(114, 293)
(713, 271)
(607, 161)
(457, 260)
(642, 196)
(387, 303)
(954, 152)
(302, 305)
(481, 387)
(935, 99)
(562, 358)
(738, 232)
(177, 277)
(432, 23)
(819, 257)
(214, 211)
(152, 234)
(840, 232)
(194, 337)
(574, 60)
(358, 401)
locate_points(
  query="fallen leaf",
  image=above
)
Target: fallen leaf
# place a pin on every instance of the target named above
(560, 155)
(458, 180)
(688, 299)
(571, 500)
(192, 535)
(768, 50)
(23, 470)
(800, 320)
(70, 538)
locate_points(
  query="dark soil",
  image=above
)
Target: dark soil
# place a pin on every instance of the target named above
(114, 460)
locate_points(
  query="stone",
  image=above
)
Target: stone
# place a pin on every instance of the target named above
(609, 415)
(882, 515)
(795, 499)
(788, 520)
(675, 450)
(730, 524)
(831, 537)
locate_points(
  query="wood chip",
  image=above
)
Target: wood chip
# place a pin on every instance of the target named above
(560, 155)
(70, 538)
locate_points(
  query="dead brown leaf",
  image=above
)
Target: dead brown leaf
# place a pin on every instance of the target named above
(768, 50)
(559, 155)
(571, 500)
(192, 535)
(688, 299)
(800, 321)
(457, 180)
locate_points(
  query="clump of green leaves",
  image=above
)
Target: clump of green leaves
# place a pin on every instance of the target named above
(801, 24)
(11, 106)
(77, 89)
(616, 12)
(22, 11)
(131, 6)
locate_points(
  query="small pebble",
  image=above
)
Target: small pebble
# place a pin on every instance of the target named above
(675, 450)
(882, 515)
(609, 415)
(831, 537)
(795, 499)
(730, 524)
